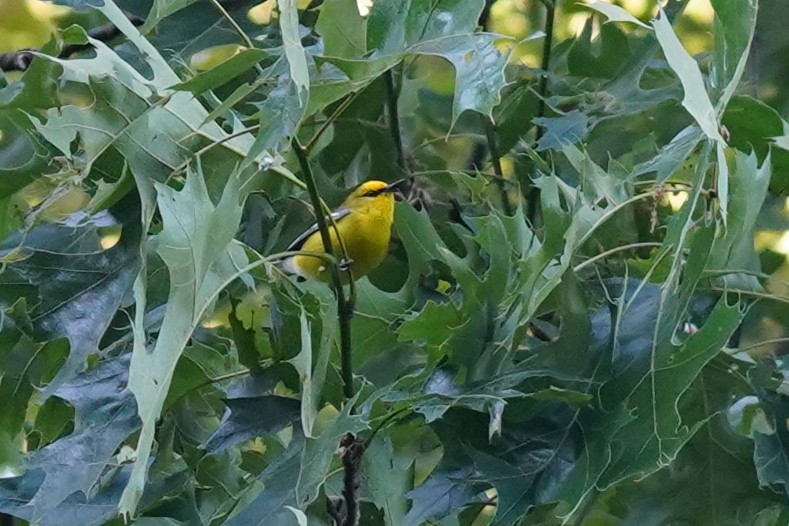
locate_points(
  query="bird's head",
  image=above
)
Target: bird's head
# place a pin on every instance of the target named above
(372, 191)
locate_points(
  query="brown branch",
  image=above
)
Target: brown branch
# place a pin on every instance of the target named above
(20, 60)
(351, 450)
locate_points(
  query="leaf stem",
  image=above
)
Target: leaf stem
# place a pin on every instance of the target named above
(333, 117)
(542, 92)
(763, 343)
(344, 307)
(388, 418)
(495, 160)
(237, 28)
(603, 255)
(233, 23)
(217, 142)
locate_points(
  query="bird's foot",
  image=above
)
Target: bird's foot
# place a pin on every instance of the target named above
(345, 264)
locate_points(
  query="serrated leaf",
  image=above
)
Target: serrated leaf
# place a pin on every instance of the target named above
(196, 245)
(696, 100)
(443, 493)
(247, 418)
(59, 476)
(734, 27)
(479, 70)
(343, 29)
(295, 477)
(294, 52)
(73, 286)
(385, 475)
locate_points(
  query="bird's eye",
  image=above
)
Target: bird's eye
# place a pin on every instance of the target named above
(371, 193)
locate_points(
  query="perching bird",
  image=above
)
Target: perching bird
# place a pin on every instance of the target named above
(364, 220)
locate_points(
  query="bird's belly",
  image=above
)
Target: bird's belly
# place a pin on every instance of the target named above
(369, 249)
(366, 248)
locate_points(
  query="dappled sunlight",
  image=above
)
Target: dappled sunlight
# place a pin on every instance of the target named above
(27, 23)
(264, 12)
(109, 236)
(676, 199)
(211, 57)
(519, 19)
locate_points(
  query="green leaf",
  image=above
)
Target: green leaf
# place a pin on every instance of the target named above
(23, 158)
(294, 52)
(248, 418)
(313, 376)
(386, 476)
(295, 478)
(393, 26)
(161, 9)
(479, 70)
(443, 493)
(614, 13)
(696, 100)
(228, 70)
(196, 245)
(770, 454)
(27, 366)
(343, 30)
(73, 286)
(568, 129)
(105, 416)
(733, 30)
(734, 249)
(197, 366)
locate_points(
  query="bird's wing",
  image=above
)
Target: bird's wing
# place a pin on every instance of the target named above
(299, 241)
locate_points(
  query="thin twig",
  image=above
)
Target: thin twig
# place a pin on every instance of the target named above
(237, 28)
(388, 418)
(550, 12)
(750, 293)
(495, 160)
(333, 117)
(211, 145)
(344, 307)
(763, 343)
(603, 255)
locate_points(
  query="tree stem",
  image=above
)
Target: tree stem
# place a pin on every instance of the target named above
(550, 7)
(344, 307)
(495, 160)
(394, 119)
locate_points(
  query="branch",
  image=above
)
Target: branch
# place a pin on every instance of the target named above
(351, 450)
(495, 159)
(344, 307)
(394, 119)
(20, 60)
(550, 6)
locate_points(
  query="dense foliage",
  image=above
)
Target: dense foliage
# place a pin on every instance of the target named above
(574, 325)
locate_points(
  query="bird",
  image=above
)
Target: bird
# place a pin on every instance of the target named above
(364, 221)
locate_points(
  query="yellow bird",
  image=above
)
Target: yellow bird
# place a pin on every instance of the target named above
(364, 220)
